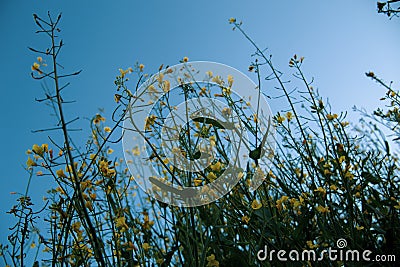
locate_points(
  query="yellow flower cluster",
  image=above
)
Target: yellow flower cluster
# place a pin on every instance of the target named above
(105, 169)
(60, 173)
(127, 71)
(279, 119)
(232, 20)
(146, 246)
(98, 118)
(216, 167)
(289, 116)
(311, 244)
(36, 65)
(280, 203)
(30, 163)
(120, 223)
(76, 227)
(256, 204)
(150, 122)
(211, 176)
(39, 150)
(331, 116)
(295, 60)
(245, 219)
(321, 190)
(211, 261)
(322, 209)
(147, 223)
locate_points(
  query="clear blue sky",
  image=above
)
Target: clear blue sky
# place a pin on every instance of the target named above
(340, 40)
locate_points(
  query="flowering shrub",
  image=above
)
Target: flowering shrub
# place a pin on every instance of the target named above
(327, 182)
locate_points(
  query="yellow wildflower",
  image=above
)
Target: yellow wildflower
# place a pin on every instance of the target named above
(226, 90)
(185, 59)
(141, 67)
(121, 223)
(197, 182)
(311, 245)
(230, 80)
(245, 219)
(211, 176)
(344, 123)
(166, 86)
(146, 246)
(295, 203)
(30, 163)
(107, 129)
(232, 20)
(45, 147)
(98, 118)
(217, 80)
(136, 151)
(331, 116)
(333, 187)
(280, 119)
(342, 158)
(122, 72)
(289, 116)
(150, 122)
(321, 190)
(216, 167)
(212, 139)
(255, 117)
(35, 66)
(60, 173)
(37, 149)
(322, 209)
(256, 204)
(349, 175)
(89, 205)
(203, 91)
(211, 261)
(226, 111)
(117, 98)
(279, 202)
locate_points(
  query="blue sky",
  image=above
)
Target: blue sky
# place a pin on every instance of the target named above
(340, 40)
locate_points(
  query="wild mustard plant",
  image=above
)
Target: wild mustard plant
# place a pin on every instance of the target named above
(327, 182)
